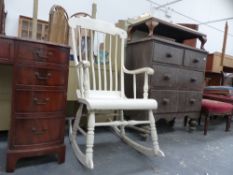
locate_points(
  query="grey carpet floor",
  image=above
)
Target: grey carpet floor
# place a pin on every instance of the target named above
(186, 154)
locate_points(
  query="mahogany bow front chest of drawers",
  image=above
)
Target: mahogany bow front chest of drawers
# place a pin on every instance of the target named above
(178, 80)
(40, 72)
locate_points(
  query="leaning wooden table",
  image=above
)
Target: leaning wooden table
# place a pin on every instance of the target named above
(39, 86)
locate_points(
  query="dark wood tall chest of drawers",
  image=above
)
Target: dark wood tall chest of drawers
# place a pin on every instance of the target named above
(178, 81)
(40, 73)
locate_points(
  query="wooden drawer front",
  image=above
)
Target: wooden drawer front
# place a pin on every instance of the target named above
(39, 131)
(195, 60)
(189, 101)
(191, 80)
(168, 54)
(40, 76)
(39, 101)
(41, 53)
(6, 50)
(164, 76)
(167, 100)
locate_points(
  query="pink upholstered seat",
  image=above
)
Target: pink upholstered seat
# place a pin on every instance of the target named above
(214, 106)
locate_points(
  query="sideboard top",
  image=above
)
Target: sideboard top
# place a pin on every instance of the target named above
(31, 40)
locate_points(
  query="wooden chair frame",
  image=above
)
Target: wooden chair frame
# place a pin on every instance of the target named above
(207, 115)
(103, 90)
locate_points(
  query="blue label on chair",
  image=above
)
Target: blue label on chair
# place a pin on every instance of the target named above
(103, 57)
(71, 57)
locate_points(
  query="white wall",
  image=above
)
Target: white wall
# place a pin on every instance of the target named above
(113, 10)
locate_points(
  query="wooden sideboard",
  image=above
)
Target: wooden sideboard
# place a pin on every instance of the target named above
(39, 86)
(214, 63)
(178, 81)
(214, 68)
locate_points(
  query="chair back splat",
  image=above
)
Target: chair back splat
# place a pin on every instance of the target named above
(101, 61)
(58, 25)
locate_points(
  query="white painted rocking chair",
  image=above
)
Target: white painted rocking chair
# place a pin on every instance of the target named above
(98, 85)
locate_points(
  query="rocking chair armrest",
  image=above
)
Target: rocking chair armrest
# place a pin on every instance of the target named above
(147, 70)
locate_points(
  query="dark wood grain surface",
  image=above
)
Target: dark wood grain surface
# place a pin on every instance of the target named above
(40, 71)
(178, 81)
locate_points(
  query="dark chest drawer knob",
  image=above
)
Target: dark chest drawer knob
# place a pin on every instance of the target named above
(168, 55)
(192, 101)
(165, 101)
(41, 101)
(193, 80)
(166, 77)
(40, 76)
(195, 60)
(33, 129)
(38, 132)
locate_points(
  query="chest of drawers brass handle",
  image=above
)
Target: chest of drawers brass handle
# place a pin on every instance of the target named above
(195, 60)
(168, 55)
(166, 77)
(192, 80)
(166, 101)
(39, 132)
(39, 76)
(41, 101)
(42, 55)
(192, 100)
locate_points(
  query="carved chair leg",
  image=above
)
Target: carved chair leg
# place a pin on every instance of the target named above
(228, 122)
(199, 119)
(154, 135)
(206, 123)
(122, 127)
(85, 159)
(90, 139)
(154, 150)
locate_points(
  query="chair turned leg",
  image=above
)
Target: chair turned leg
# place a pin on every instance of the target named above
(199, 119)
(206, 124)
(154, 135)
(155, 150)
(90, 140)
(228, 123)
(122, 127)
(87, 158)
